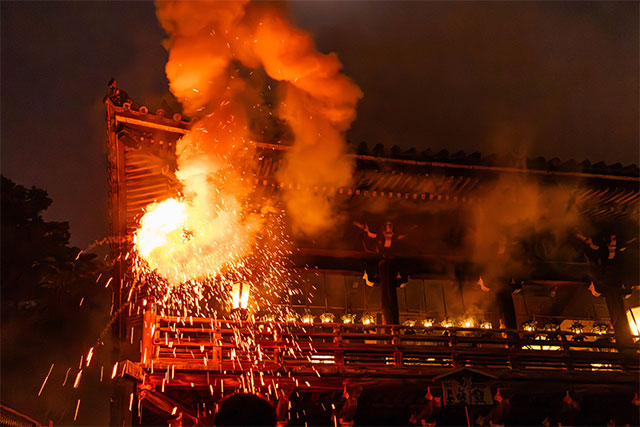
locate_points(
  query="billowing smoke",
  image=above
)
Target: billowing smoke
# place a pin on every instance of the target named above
(520, 209)
(218, 52)
(515, 222)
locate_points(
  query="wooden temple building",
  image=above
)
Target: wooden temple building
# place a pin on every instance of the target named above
(550, 339)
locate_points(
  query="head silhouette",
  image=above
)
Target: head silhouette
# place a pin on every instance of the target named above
(245, 409)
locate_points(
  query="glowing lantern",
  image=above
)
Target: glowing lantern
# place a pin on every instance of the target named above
(240, 295)
(447, 323)
(348, 318)
(551, 327)
(530, 326)
(633, 316)
(307, 318)
(576, 328)
(409, 323)
(486, 325)
(427, 323)
(600, 328)
(269, 317)
(291, 317)
(327, 317)
(368, 319)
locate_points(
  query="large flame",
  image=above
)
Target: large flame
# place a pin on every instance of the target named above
(183, 241)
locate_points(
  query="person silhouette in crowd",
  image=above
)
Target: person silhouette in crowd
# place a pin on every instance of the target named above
(245, 409)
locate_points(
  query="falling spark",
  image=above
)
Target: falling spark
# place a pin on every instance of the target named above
(77, 408)
(66, 376)
(76, 383)
(89, 356)
(115, 370)
(45, 380)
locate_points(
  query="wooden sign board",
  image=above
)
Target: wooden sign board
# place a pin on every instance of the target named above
(463, 391)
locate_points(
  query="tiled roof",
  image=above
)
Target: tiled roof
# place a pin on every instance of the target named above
(498, 161)
(444, 156)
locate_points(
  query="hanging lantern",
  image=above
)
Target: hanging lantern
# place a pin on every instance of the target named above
(307, 318)
(447, 323)
(368, 319)
(292, 317)
(270, 317)
(427, 323)
(240, 295)
(633, 317)
(486, 325)
(576, 327)
(530, 326)
(600, 328)
(551, 327)
(468, 323)
(327, 317)
(409, 323)
(348, 318)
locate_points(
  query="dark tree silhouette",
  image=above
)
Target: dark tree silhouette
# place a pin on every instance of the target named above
(52, 306)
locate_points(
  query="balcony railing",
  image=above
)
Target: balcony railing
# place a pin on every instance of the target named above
(205, 344)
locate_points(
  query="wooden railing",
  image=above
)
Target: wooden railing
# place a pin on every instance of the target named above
(205, 344)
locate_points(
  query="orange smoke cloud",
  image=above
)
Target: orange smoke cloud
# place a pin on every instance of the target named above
(214, 50)
(318, 103)
(515, 209)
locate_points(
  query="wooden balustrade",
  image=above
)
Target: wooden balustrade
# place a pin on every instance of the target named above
(213, 345)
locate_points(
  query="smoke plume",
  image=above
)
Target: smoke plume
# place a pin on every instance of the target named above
(218, 52)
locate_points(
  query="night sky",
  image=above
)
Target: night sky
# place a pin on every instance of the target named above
(557, 79)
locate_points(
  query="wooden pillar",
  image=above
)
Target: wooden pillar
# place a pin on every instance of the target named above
(338, 353)
(388, 292)
(505, 302)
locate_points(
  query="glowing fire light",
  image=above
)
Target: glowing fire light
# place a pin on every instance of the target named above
(530, 326)
(348, 318)
(447, 323)
(600, 328)
(468, 323)
(240, 295)
(368, 319)
(577, 328)
(486, 325)
(307, 318)
(633, 317)
(428, 323)
(161, 224)
(327, 317)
